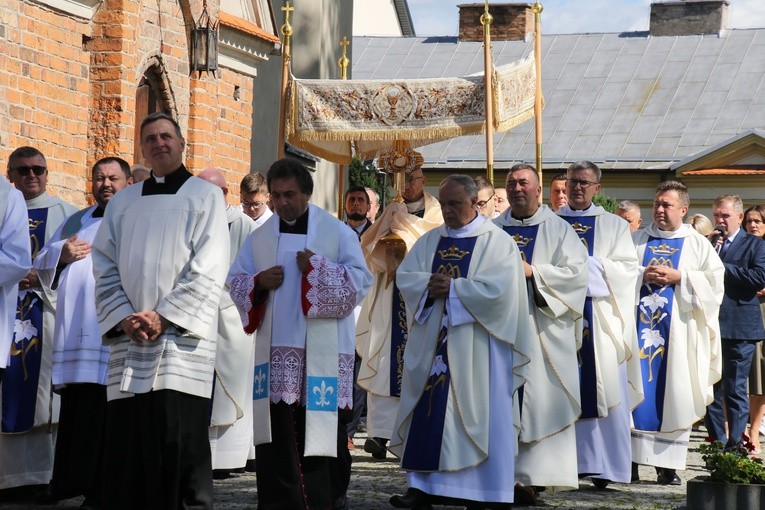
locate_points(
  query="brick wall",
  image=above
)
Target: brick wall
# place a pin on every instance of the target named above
(221, 124)
(68, 87)
(45, 92)
(511, 22)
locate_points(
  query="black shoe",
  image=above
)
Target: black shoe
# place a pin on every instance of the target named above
(412, 498)
(341, 503)
(250, 466)
(635, 473)
(600, 483)
(667, 477)
(221, 474)
(525, 495)
(376, 446)
(46, 496)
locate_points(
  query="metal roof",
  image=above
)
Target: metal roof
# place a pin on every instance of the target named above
(623, 100)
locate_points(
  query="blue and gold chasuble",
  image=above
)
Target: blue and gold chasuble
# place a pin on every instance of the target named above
(584, 226)
(21, 376)
(654, 315)
(525, 237)
(398, 336)
(423, 445)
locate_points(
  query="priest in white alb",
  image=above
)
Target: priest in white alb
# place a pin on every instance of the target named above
(610, 379)
(465, 296)
(231, 419)
(680, 292)
(160, 260)
(80, 360)
(296, 282)
(555, 265)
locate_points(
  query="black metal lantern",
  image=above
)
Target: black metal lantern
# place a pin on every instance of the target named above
(204, 44)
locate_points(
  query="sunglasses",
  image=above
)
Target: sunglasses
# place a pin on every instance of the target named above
(24, 170)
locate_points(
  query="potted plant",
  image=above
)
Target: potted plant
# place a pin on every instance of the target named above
(736, 479)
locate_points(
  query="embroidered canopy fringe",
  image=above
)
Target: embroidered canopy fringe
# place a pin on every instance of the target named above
(325, 115)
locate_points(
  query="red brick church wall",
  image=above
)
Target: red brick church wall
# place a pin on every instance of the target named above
(69, 87)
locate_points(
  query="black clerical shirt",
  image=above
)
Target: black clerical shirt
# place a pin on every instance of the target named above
(173, 182)
(300, 226)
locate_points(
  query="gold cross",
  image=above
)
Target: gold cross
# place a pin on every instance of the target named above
(345, 42)
(287, 10)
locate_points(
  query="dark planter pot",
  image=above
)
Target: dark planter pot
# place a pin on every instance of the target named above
(705, 495)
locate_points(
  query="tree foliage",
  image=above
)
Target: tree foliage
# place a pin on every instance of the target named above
(365, 174)
(606, 202)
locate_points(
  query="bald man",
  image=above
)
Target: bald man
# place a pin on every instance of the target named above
(139, 173)
(231, 442)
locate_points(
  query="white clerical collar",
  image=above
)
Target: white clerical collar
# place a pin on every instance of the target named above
(683, 230)
(566, 210)
(468, 229)
(160, 180)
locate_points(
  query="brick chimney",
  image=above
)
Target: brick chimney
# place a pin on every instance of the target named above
(512, 22)
(689, 17)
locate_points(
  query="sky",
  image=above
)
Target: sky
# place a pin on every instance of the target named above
(440, 17)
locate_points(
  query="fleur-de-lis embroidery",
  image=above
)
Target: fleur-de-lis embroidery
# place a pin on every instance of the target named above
(323, 391)
(260, 381)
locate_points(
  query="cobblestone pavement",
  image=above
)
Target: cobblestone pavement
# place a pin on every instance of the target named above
(372, 483)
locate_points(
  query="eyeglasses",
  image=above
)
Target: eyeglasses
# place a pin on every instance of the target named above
(411, 178)
(572, 183)
(253, 205)
(24, 170)
(482, 203)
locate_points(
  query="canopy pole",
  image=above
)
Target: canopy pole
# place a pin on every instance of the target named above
(537, 10)
(344, 63)
(488, 73)
(286, 36)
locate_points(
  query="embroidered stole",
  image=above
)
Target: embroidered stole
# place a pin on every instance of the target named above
(398, 336)
(73, 224)
(423, 445)
(584, 226)
(321, 389)
(525, 237)
(654, 316)
(22, 374)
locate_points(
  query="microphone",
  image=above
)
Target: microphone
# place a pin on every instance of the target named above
(718, 232)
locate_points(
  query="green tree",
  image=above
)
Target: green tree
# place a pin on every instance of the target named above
(606, 202)
(361, 174)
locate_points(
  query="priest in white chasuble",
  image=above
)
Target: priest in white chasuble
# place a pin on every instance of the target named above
(160, 259)
(29, 409)
(680, 292)
(610, 379)
(15, 259)
(296, 282)
(80, 360)
(555, 266)
(231, 419)
(465, 296)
